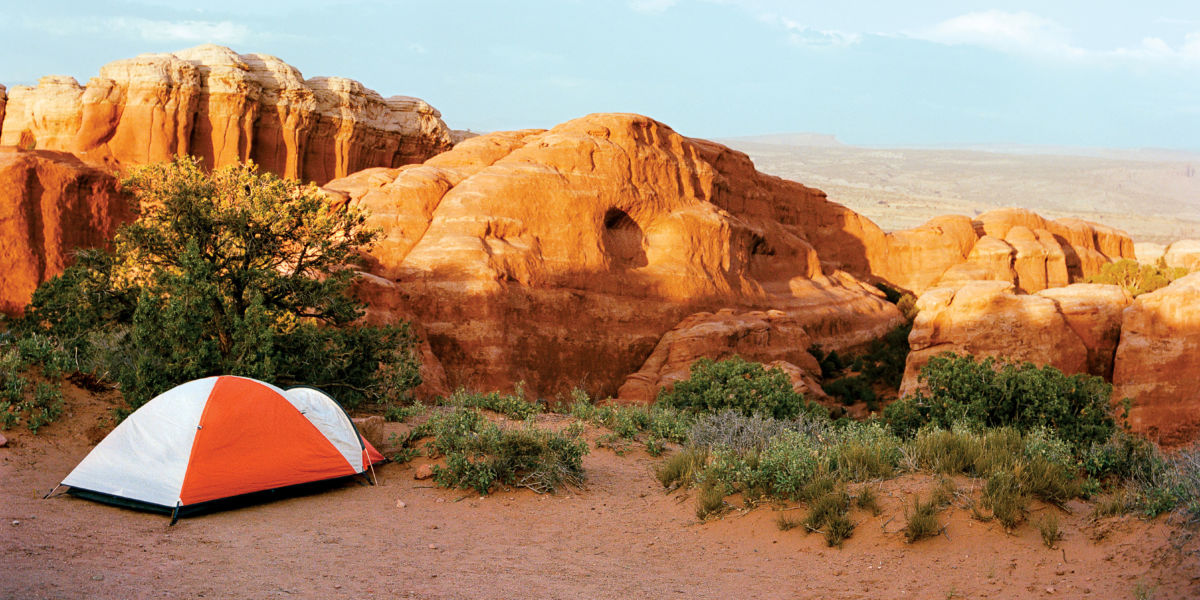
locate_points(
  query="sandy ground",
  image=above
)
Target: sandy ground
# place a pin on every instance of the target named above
(620, 537)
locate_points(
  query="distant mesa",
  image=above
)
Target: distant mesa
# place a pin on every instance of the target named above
(223, 107)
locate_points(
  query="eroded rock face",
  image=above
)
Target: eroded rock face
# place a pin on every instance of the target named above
(771, 337)
(1158, 362)
(224, 107)
(1074, 329)
(561, 257)
(52, 205)
(1013, 245)
(1184, 254)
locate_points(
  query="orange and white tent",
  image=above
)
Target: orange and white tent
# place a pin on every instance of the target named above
(221, 437)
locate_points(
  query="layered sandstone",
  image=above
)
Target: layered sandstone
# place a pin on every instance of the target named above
(560, 258)
(1158, 362)
(224, 107)
(52, 205)
(1184, 254)
(1074, 329)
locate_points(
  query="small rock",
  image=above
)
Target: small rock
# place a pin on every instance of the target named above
(441, 499)
(15, 523)
(3, 440)
(400, 504)
(97, 578)
(423, 472)
(433, 546)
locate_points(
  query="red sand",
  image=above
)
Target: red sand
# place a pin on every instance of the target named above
(620, 537)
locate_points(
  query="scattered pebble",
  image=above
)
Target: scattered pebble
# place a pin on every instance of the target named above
(423, 472)
(400, 504)
(97, 578)
(15, 523)
(433, 546)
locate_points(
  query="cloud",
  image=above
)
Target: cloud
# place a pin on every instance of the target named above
(1154, 48)
(802, 35)
(220, 32)
(1016, 32)
(652, 6)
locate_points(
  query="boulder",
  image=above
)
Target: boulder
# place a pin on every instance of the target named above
(1158, 362)
(371, 428)
(53, 205)
(987, 318)
(224, 107)
(1149, 253)
(1094, 312)
(772, 337)
(1184, 254)
(561, 257)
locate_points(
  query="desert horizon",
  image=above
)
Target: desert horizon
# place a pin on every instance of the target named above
(464, 300)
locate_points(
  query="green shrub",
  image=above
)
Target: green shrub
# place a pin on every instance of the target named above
(740, 385)
(864, 451)
(683, 468)
(787, 464)
(922, 520)
(233, 272)
(867, 499)
(851, 389)
(514, 406)
(480, 455)
(710, 501)
(1003, 496)
(829, 515)
(988, 394)
(38, 404)
(654, 424)
(1137, 278)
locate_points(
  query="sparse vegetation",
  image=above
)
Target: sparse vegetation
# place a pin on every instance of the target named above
(22, 397)
(513, 406)
(922, 520)
(1049, 529)
(1136, 278)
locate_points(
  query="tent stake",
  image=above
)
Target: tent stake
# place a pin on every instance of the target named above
(51, 491)
(174, 515)
(373, 479)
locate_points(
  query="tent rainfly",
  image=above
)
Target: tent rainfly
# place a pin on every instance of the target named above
(217, 438)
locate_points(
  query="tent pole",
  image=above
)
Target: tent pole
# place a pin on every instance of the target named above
(371, 466)
(51, 491)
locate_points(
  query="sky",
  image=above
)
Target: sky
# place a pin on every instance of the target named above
(1088, 73)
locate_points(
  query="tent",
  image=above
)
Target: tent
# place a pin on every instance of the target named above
(217, 438)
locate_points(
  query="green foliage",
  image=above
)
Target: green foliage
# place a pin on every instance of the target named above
(829, 514)
(399, 413)
(710, 501)
(480, 455)
(787, 464)
(233, 272)
(738, 384)
(20, 398)
(682, 468)
(514, 406)
(851, 389)
(864, 452)
(867, 499)
(1137, 278)
(1002, 494)
(1075, 407)
(922, 520)
(654, 425)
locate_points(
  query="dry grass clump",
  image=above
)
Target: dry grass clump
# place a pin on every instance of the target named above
(1048, 527)
(922, 520)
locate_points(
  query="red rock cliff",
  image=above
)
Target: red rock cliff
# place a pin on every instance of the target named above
(561, 257)
(224, 107)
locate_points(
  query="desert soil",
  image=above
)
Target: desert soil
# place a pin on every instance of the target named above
(619, 537)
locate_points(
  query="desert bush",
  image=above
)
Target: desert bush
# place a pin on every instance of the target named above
(710, 501)
(682, 468)
(864, 451)
(22, 398)
(514, 406)
(867, 499)
(1137, 278)
(229, 272)
(399, 413)
(734, 430)
(480, 455)
(989, 394)
(738, 384)
(922, 520)
(1049, 529)
(1003, 496)
(787, 464)
(828, 514)
(851, 389)
(653, 425)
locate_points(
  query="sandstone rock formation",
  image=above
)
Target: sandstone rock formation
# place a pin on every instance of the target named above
(771, 337)
(561, 257)
(1158, 362)
(1013, 245)
(224, 107)
(52, 205)
(1184, 254)
(1074, 329)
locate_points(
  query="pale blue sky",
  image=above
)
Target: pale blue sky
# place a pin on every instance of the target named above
(1077, 73)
